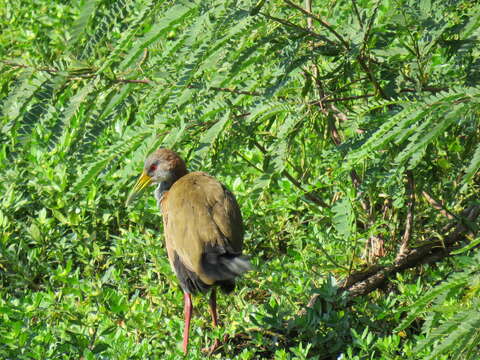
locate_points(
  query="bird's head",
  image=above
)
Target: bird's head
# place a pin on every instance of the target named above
(162, 167)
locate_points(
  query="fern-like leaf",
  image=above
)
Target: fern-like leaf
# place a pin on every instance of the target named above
(78, 29)
(172, 16)
(472, 168)
(119, 149)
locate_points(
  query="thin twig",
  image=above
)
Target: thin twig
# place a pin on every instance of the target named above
(363, 58)
(46, 69)
(438, 206)
(369, 72)
(128, 81)
(363, 282)
(299, 28)
(357, 13)
(243, 115)
(134, 81)
(321, 21)
(366, 37)
(347, 98)
(325, 99)
(313, 65)
(308, 6)
(234, 91)
(248, 161)
(309, 195)
(410, 187)
(426, 88)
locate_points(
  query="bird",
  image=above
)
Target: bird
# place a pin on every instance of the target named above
(203, 230)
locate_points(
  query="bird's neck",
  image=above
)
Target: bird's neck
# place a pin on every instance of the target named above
(164, 186)
(161, 190)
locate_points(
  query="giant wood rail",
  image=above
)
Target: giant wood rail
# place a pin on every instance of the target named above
(203, 229)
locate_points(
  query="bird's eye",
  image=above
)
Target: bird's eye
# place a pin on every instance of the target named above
(153, 167)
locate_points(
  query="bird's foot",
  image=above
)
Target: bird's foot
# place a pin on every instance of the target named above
(211, 349)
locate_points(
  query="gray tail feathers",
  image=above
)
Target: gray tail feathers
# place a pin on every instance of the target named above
(222, 267)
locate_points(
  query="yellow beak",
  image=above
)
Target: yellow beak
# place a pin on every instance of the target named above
(143, 181)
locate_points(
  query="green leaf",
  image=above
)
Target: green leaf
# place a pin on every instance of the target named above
(207, 140)
(119, 149)
(172, 16)
(78, 29)
(343, 217)
(472, 169)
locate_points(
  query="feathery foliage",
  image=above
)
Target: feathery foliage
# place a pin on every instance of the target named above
(325, 122)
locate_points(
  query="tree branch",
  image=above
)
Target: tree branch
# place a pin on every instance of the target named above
(299, 28)
(366, 67)
(125, 81)
(357, 13)
(363, 282)
(325, 100)
(438, 206)
(321, 21)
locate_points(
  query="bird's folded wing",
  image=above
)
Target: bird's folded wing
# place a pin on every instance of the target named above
(203, 216)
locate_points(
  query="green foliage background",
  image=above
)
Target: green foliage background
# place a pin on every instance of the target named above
(317, 128)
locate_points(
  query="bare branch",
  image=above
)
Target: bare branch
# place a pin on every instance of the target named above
(410, 187)
(299, 28)
(134, 81)
(347, 98)
(126, 81)
(369, 26)
(366, 67)
(357, 13)
(310, 195)
(363, 282)
(438, 206)
(308, 6)
(321, 21)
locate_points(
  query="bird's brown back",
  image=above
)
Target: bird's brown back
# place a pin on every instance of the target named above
(201, 217)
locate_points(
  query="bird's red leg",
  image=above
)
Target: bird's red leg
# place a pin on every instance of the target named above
(188, 307)
(213, 307)
(213, 312)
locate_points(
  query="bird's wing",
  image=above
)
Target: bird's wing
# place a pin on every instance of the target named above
(203, 217)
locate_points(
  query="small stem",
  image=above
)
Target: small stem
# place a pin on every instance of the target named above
(407, 235)
(299, 28)
(309, 195)
(249, 162)
(357, 13)
(437, 205)
(347, 98)
(127, 81)
(321, 21)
